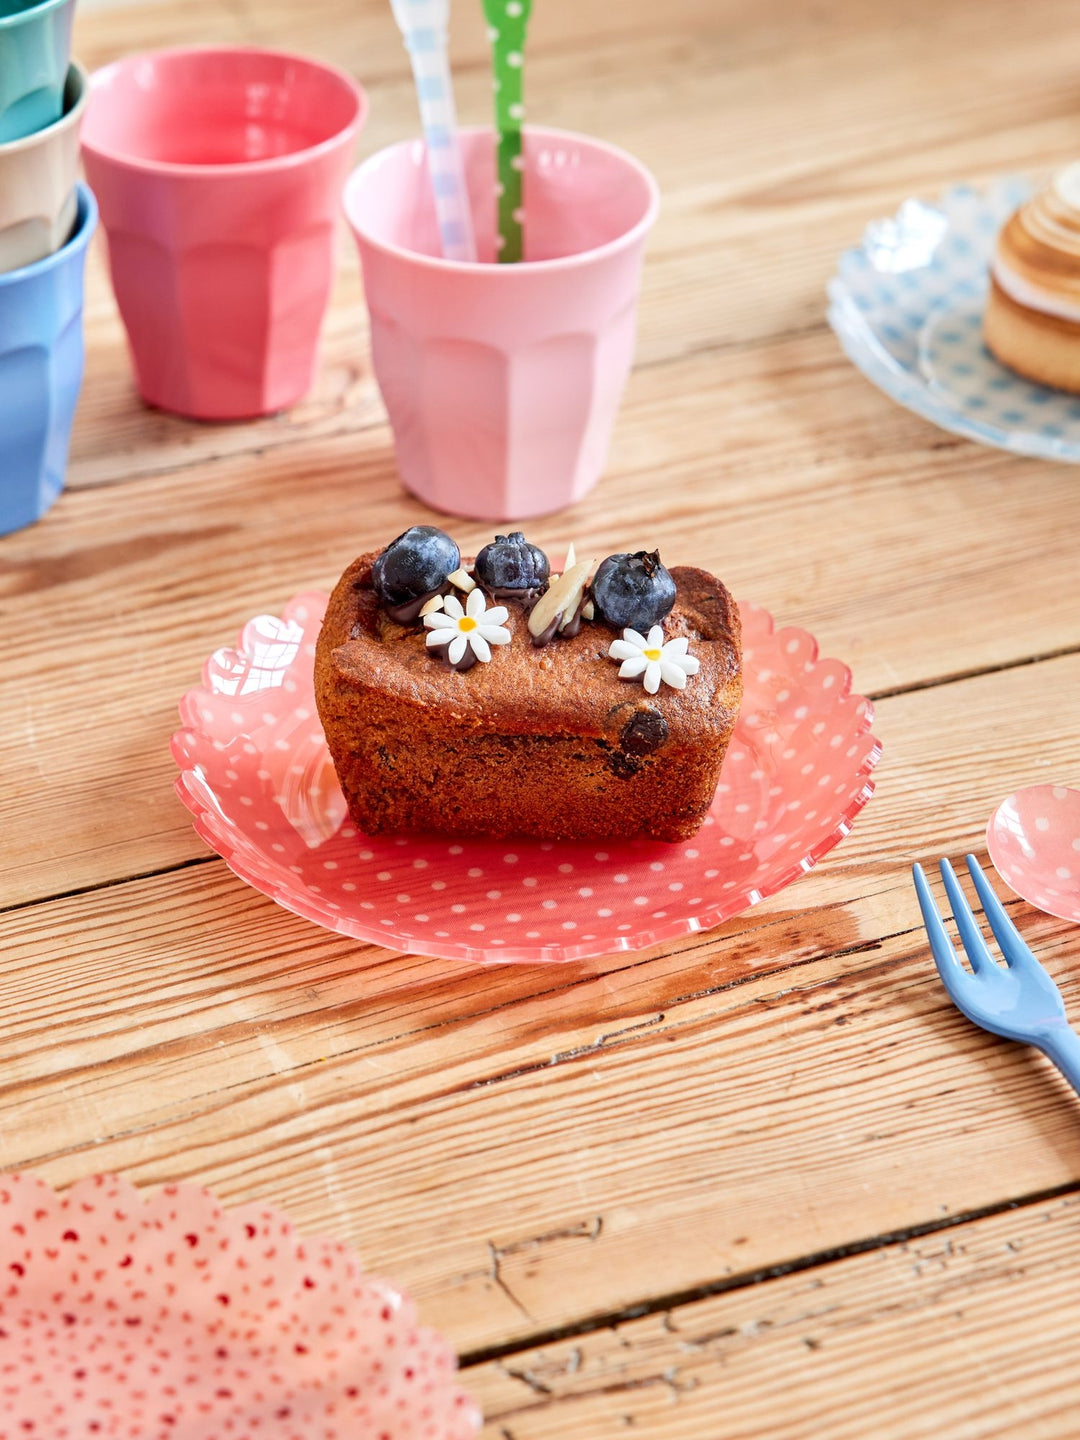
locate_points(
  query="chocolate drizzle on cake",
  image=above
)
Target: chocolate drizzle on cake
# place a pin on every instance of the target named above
(546, 635)
(467, 661)
(409, 612)
(557, 627)
(525, 598)
(573, 625)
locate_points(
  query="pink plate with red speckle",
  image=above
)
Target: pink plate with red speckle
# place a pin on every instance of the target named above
(168, 1318)
(256, 774)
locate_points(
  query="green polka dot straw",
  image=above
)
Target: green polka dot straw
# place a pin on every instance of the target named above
(507, 22)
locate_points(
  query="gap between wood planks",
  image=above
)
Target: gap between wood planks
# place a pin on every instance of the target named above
(561, 983)
(659, 1304)
(606, 1042)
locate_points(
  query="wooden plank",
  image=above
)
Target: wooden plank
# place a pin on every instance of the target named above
(573, 1146)
(966, 1334)
(573, 1140)
(124, 593)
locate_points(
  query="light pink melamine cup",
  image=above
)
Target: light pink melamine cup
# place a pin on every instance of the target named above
(502, 381)
(218, 172)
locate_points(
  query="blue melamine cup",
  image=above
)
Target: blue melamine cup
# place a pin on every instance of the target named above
(35, 47)
(41, 366)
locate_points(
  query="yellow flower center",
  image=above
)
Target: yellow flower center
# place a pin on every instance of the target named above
(466, 623)
(651, 654)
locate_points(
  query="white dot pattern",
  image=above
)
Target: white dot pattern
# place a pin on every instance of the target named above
(1033, 838)
(280, 823)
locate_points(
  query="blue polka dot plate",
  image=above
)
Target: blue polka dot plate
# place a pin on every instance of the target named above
(907, 305)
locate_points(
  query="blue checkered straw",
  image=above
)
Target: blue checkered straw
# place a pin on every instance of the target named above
(423, 25)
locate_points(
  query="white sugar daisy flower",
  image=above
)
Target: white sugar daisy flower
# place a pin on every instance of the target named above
(654, 659)
(474, 628)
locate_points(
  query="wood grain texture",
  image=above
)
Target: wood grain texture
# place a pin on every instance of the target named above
(968, 1332)
(541, 1150)
(567, 1143)
(784, 1080)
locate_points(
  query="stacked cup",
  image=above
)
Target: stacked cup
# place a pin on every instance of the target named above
(46, 220)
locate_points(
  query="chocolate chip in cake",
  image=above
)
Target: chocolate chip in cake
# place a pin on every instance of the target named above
(644, 732)
(623, 766)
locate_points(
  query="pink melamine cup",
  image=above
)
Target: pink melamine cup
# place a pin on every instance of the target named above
(218, 172)
(502, 381)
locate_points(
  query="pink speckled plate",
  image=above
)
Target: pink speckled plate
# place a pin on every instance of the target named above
(1034, 842)
(256, 774)
(168, 1318)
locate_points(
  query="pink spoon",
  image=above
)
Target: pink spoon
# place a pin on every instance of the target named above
(1034, 842)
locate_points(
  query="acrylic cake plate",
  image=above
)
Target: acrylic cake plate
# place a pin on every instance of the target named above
(907, 307)
(166, 1317)
(256, 774)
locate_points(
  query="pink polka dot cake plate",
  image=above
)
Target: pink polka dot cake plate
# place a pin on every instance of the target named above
(256, 775)
(166, 1317)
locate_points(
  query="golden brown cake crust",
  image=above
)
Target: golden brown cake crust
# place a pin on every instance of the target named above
(545, 742)
(1041, 347)
(1033, 303)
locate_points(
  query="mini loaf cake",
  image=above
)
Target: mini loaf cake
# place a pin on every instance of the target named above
(1032, 321)
(497, 699)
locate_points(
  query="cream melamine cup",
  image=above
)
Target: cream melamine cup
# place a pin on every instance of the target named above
(38, 201)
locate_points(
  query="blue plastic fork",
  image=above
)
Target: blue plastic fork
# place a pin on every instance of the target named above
(1018, 1000)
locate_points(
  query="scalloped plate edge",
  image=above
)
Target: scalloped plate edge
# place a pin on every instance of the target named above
(207, 823)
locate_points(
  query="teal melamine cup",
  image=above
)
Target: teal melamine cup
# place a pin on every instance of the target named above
(35, 47)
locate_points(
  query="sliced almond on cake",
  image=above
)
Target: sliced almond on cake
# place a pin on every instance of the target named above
(561, 598)
(462, 580)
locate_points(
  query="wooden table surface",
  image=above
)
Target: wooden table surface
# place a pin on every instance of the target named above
(760, 1182)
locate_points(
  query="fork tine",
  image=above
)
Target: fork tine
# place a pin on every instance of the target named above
(1005, 932)
(948, 962)
(971, 937)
